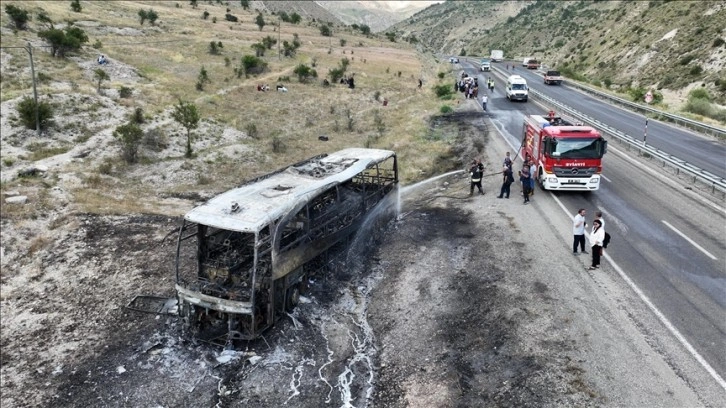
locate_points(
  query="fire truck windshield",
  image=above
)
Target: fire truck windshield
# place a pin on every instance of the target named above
(576, 148)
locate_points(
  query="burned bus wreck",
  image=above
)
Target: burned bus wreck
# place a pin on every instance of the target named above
(243, 256)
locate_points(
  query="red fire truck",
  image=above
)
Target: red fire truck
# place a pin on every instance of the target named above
(568, 156)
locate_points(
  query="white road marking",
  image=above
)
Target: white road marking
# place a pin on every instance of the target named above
(605, 178)
(655, 310)
(667, 180)
(690, 241)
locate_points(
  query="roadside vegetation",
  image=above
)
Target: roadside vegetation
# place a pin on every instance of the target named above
(192, 56)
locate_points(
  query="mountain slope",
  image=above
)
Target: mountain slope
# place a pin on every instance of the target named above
(667, 45)
(378, 15)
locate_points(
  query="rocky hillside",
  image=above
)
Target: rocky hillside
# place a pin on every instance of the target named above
(667, 45)
(378, 15)
(308, 9)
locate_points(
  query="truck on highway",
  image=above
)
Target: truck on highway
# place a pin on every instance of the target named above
(525, 61)
(552, 77)
(497, 55)
(516, 88)
(532, 64)
(567, 156)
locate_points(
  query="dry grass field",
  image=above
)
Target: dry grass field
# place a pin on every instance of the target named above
(243, 133)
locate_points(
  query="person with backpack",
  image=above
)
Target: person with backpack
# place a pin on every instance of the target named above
(597, 236)
(507, 180)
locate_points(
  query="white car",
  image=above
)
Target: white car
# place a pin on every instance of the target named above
(454, 60)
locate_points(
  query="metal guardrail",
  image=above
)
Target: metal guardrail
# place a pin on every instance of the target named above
(715, 184)
(689, 123)
(659, 114)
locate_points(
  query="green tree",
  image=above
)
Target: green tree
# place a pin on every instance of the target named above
(193, 3)
(252, 65)
(26, 112)
(100, 75)
(284, 17)
(152, 16)
(259, 49)
(76, 6)
(391, 37)
(365, 29)
(245, 4)
(19, 16)
(260, 21)
(63, 41)
(202, 79)
(129, 136)
(269, 42)
(213, 49)
(304, 72)
(143, 15)
(325, 30)
(295, 18)
(186, 114)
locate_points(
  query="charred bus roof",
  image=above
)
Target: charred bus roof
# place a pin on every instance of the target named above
(253, 205)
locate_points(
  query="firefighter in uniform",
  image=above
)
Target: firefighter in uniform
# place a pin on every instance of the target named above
(476, 172)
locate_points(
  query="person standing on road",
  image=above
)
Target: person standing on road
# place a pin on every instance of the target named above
(596, 237)
(578, 230)
(524, 179)
(477, 172)
(532, 171)
(507, 180)
(484, 100)
(508, 161)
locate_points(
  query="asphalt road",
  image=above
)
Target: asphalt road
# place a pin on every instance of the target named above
(666, 239)
(698, 150)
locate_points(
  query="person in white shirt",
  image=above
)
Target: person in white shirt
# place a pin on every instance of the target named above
(596, 237)
(578, 230)
(484, 100)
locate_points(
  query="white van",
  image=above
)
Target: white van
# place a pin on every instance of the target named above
(517, 89)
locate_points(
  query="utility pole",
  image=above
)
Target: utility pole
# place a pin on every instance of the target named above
(279, 28)
(35, 90)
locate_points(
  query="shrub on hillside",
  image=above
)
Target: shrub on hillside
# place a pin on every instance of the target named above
(325, 30)
(19, 16)
(129, 137)
(252, 65)
(26, 112)
(63, 41)
(443, 91)
(230, 17)
(304, 72)
(76, 6)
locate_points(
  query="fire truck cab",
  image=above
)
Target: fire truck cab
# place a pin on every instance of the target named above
(567, 156)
